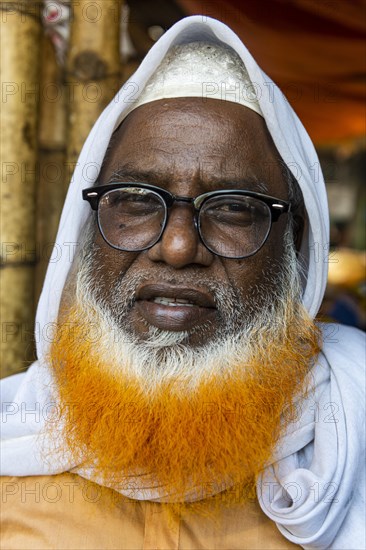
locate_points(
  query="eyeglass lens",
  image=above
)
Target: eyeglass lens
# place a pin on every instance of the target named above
(230, 225)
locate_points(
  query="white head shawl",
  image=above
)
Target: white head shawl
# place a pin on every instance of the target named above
(288, 134)
(313, 452)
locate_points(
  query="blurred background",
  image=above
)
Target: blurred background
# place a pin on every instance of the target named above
(63, 61)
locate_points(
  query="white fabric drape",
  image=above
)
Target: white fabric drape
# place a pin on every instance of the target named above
(315, 491)
(314, 452)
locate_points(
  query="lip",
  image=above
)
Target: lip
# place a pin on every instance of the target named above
(178, 317)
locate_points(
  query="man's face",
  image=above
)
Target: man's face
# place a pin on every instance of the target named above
(245, 342)
(190, 147)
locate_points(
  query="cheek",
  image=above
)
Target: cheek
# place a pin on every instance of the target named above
(246, 275)
(250, 274)
(110, 264)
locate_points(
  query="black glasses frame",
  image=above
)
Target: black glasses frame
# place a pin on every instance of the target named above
(276, 206)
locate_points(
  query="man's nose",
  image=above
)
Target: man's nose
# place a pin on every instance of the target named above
(180, 244)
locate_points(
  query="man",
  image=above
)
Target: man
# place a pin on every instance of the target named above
(185, 366)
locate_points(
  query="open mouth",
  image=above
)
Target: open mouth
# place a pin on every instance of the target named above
(173, 302)
(175, 308)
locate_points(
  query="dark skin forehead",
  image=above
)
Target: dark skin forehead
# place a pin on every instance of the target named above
(184, 140)
(189, 147)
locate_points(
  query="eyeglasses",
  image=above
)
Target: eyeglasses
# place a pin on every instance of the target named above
(231, 223)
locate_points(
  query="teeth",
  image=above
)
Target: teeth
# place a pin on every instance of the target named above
(172, 301)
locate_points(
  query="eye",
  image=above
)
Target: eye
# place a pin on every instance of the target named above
(139, 200)
(234, 207)
(131, 203)
(230, 210)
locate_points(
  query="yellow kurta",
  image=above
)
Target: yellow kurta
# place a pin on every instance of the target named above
(67, 512)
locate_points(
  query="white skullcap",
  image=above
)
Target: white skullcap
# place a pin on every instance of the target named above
(201, 69)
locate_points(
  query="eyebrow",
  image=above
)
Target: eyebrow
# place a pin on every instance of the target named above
(135, 175)
(157, 178)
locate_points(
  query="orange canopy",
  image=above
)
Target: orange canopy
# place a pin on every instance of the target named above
(315, 50)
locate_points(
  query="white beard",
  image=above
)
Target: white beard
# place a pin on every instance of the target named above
(166, 355)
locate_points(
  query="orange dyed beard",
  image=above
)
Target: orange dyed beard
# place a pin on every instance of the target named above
(185, 441)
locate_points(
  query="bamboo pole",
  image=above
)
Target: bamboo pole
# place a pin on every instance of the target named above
(53, 173)
(19, 66)
(93, 67)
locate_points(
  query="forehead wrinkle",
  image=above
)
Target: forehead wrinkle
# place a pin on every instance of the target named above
(227, 157)
(129, 172)
(233, 183)
(212, 172)
(165, 176)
